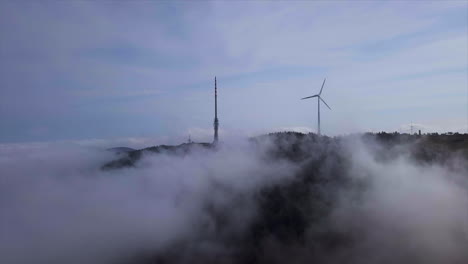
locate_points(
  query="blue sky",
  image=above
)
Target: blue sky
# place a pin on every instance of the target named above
(85, 70)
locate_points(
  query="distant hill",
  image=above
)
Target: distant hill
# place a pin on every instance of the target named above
(132, 156)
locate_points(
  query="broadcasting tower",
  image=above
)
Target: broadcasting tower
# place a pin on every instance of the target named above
(216, 122)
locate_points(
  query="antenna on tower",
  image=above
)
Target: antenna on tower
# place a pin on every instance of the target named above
(216, 122)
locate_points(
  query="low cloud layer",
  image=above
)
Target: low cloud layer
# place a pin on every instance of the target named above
(59, 207)
(243, 202)
(407, 212)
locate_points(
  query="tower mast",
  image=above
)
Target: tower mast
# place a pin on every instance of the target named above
(216, 122)
(318, 117)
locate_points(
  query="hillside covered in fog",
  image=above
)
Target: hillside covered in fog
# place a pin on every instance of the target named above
(87, 88)
(372, 198)
(276, 198)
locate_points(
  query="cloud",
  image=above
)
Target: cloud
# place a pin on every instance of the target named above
(60, 207)
(405, 211)
(377, 203)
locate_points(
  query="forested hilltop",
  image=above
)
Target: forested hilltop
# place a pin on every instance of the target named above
(342, 204)
(297, 146)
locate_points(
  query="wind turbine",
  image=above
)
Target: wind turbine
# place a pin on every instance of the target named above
(319, 98)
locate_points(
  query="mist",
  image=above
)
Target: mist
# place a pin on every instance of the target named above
(59, 207)
(405, 211)
(273, 199)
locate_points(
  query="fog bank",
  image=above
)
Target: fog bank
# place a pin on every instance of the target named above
(284, 198)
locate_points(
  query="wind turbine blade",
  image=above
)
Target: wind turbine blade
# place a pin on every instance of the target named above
(322, 86)
(309, 97)
(324, 102)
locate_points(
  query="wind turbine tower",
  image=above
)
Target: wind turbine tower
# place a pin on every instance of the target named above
(216, 122)
(319, 98)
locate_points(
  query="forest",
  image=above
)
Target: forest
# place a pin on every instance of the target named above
(321, 213)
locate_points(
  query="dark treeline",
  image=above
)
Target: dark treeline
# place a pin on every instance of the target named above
(298, 146)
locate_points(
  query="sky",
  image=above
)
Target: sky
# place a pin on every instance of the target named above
(110, 70)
